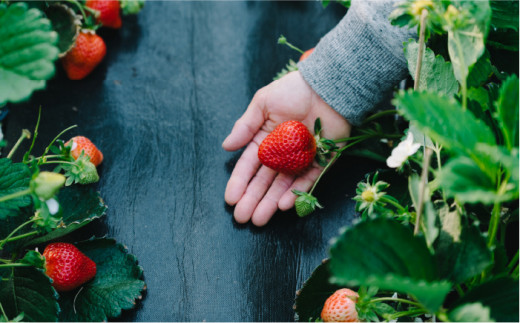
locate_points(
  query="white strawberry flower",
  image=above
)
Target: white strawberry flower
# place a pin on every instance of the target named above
(401, 153)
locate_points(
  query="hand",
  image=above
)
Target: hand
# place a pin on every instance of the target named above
(257, 190)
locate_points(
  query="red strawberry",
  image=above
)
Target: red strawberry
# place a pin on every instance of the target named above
(289, 149)
(87, 53)
(108, 12)
(81, 143)
(341, 307)
(68, 267)
(306, 54)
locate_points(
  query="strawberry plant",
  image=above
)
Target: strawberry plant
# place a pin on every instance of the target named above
(437, 238)
(36, 34)
(89, 280)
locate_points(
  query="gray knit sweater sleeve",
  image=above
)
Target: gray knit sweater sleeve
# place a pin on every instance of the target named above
(358, 63)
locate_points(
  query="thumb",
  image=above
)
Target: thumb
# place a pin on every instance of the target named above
(247, 126)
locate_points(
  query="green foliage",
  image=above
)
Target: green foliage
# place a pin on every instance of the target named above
(14, 178)
(28, 290)
(504, 14)
(313, 294)
(466, 36)
(399, 262)
(500, 295)
(290, 67)
(80, 205)
(507, 111)
(116, 286)
(481, 71)
(464, 257)
(444, 120)
(27, 51)
(436, 73)
(65, 23)
(33, 258)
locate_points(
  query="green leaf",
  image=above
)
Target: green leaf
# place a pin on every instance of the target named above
(80, 205)
(499, 294)
(290, 67)
(27, 51)
(465, 258)
(472, 312)
(13, 178)
(481, 71)
(481, 96)
(463, 179)
(436, 73)
(507, 111)
(504, 14)
(117, 285)
(386, 254)
(466, 43)
(28, 290)
(444, 120)
(33, 258)
(313, 294)
(66, 24)
(494, 156)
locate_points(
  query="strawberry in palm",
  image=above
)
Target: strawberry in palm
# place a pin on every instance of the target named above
(68, 267)
(289, 149)
(108, 12)
(88, 51)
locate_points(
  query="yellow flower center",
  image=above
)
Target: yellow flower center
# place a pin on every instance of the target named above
(419, 5)
(368, 196)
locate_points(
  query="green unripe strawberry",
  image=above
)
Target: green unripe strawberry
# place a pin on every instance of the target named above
(305, 204)
(47, 184)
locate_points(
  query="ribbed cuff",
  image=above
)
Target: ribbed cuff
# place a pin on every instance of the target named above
(358, 63)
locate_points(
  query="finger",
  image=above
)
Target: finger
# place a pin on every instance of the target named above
(303, 183)
(269, 204)
(247, 126)
(254, 193)
(244, 170)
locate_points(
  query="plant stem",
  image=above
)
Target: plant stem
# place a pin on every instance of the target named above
(422, 188)
(459, 290)
(400, 300)
(333, 159)
(80, 7)
(7, 239)
(21, 236)
(379, 115)
(364, 137)
(5, 261)
(58, 162)
(26, 156)
(56, 138)
(3, 313)
(15, 195)
(25, 135)
(420, 55)
(495, 215)
(394, 203)
(512, 262)
(409, 313)
(14, 265)
(283, 41)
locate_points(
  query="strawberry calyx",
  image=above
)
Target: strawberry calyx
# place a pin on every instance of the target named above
(324, 147)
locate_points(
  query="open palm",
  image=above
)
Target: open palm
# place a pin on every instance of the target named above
(256, 190)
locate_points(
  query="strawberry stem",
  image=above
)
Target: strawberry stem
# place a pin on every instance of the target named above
(333, 159)
(399, 207)
(10, 236)
(25, 135)
(15, 195)
(379, 115)
(400, 300)
(26, 156)
(56, 138)
(18, 237)
(14, 265)
(283, 41)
